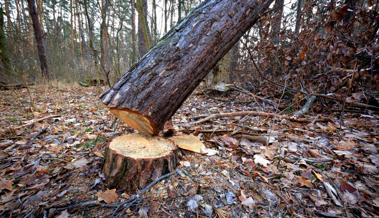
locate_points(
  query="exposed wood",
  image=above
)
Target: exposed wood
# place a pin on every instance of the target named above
(163, 79)
(132, 161)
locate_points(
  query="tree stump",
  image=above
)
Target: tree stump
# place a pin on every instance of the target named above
(132, 161)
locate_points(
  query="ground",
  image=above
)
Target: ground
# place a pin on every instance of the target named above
(324, 166)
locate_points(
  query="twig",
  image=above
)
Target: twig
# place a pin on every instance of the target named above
(356, 104)
(135, 199)
(240, 89)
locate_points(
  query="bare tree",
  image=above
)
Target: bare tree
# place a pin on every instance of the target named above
(144, 37)
(133, 58)
(39, 36)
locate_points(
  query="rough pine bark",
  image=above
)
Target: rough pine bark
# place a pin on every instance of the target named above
(151, 92)
(38, 33)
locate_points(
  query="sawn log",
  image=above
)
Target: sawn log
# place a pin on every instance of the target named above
(152, 91)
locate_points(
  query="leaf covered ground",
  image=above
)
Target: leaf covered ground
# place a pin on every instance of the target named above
(324, 166)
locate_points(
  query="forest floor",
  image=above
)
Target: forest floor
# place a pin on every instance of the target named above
(324, 166)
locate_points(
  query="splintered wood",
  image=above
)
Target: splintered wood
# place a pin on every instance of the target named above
(134, 160)
(136, 121)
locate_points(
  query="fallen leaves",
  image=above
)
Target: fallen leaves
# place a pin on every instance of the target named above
(246, 201)
(304, 182)
(259, 159)
(108, 196)
(78, 163)
(6, 184)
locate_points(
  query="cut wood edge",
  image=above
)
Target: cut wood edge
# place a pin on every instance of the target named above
(135, 120)
(190, 143)
(132, 161)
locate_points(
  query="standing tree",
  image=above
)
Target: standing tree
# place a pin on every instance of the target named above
(144, 38)
(104, 41)
(4, 52)
(133, 58)
(39, 36)
(277, 20)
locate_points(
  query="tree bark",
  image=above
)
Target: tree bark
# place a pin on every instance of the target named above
(180, 10)
(4, 54)
(133, 161)
(165, 16)
(235, 55)
(152, 91)
(133, 58)
(144, 37)
(104, 42)
(277, 21)
(154, 22)
(90, 32)
(38, 33)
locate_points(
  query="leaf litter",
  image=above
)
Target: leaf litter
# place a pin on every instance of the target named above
(257, 166)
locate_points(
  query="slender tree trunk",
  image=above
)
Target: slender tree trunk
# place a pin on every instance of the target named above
(80, 30)
(165, 16)
(18, 17)
(172, 10)
(4, 54)
(40, 12)
(277, 20)
(144, 38)
(234, 56)
(38, 33)
(90, 32)
(154, 22)
(104, 43)
(7, 13)
(133, 58)
(179, 10)
(298, 16)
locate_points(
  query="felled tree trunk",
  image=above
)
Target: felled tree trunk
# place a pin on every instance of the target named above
(132, 161)
(152, 91)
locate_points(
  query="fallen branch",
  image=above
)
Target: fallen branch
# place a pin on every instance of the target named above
(31, 122)
(242, 90)
(356, 104)
(306, 107)
(254, 113)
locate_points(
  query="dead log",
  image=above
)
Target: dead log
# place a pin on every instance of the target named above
(133, 161)
(152, 91)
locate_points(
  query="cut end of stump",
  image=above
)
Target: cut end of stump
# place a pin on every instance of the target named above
(136, 121)
(132, 161)
(138, 146)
